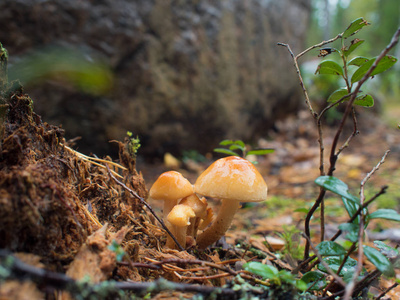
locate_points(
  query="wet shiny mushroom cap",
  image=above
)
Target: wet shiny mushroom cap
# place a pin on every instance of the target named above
(232, 178)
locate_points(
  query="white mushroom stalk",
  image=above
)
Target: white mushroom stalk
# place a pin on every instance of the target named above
(221, 224)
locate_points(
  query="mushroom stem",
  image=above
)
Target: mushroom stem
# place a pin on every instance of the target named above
(168, 206)
(220, 225)
(180, 235)
(170, 243)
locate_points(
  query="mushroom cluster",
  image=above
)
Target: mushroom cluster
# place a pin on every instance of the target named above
(231, 179)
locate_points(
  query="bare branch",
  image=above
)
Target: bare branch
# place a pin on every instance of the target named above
(328, 269)
(19, 270)
(352, 283)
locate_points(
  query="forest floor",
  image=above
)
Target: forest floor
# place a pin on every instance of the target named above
(62, 210)
(290, 173)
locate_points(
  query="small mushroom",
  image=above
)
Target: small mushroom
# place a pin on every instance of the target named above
(207, 220)
(170, 187)
(180, 217)
(232, 180)
(199, 207)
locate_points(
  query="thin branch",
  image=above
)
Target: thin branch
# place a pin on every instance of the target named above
(211, 265)
(387, 290)
(317, 117)
(296, 65)
(20, 270)
(133, 193)
(307, 221)
(328, 269)
(319, 45)
(349, 252)
(358, 212)
(352, 283)
(353, 134)
(333, 156)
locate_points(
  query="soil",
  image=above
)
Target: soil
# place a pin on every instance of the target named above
(61, 211)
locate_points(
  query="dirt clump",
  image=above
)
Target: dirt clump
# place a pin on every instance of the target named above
(51, 199)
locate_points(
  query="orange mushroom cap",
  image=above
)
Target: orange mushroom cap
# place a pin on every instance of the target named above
(180, 215)
(170, 185)
(233, 180)
(232, 177)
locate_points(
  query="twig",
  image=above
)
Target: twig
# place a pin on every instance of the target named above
(208, 264)
(133, 193)
(317, 117)
(95, 161)
(352, 283)
(296, 65)
(387, 290)
(19, 270)
(349, 107)
(357, 213)
(352, 135)
(320, 45)
(307, 221)
(328, 269)
(349, 252)
(202, 278)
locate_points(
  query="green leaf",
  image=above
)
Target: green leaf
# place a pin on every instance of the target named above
(386, 250)
(358, 61)
(315, 280)
(351, 208)
(353, 46)
(387, 214)
(303, 210)
(336, 186)
(301, 285)
(354, 27)
(329, 67)
(265, 271)
(230, 142)
(329, 248)
(226, 142)
(334, 263)
(379, 261)
(362, 70)
(385, 63)
(364, 100)
(338, 94)
(260, 151)
(235, 147)
(352, 230)
(225, 151)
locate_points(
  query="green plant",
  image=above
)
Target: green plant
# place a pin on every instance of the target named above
(291, 236)
(237, 145)
(274, 276)
(329, 256)
(134, 144)
(118, 250)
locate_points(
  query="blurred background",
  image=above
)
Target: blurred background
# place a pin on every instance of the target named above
(181, 75)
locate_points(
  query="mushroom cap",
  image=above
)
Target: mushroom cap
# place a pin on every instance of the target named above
(198, 205)
(232, 178)
(180, 215)
(170, 186)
